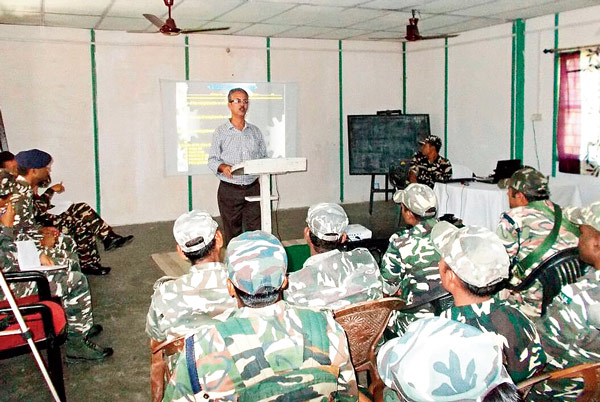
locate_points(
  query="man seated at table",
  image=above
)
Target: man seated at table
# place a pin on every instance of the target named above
(474, 267)
(427, 165)
(330, 277)
(410, 264)
(442, 360)
(532, 230)
(570, 330)
(179, 305)
(268, 349)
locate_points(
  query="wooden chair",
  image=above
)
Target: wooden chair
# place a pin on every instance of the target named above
(160, 370)
(46, 321)
(590, 372)
(558, 270)
(364, 324)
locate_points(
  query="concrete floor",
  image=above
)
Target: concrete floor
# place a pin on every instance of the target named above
(121, 301)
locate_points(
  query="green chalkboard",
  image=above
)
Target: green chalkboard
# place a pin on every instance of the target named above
(375, 142)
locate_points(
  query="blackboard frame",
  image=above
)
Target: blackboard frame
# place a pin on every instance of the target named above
(384, 158)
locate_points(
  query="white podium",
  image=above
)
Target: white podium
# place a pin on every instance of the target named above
(264, 168)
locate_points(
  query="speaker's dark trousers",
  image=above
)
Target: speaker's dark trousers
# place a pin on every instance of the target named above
(238, 215)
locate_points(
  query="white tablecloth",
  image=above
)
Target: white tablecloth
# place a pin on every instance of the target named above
(481, 203)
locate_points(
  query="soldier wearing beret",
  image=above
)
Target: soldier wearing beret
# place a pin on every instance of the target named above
(474, 267)
(526, 230)
(329, 277)
(427, 165)
(268, 349)
(80, 221)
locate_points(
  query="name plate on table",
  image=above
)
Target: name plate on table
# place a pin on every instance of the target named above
(270, 166)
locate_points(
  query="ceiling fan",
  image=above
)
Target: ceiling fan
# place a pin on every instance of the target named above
(169, 27)
(412, 31)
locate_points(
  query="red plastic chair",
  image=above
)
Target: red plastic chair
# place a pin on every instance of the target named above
(46, 320)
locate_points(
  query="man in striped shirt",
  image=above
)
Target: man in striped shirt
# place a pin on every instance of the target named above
(234, 142)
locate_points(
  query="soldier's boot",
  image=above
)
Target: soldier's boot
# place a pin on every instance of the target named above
(94, 331)
(82, 348)
(113, 241)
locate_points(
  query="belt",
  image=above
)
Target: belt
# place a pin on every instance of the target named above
(226, 183)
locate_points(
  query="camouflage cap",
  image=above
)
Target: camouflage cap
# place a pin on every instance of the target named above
(418, 198)
(442, 360)
(474, 253)
(589, 215)
(256, 260)
(327, 221)
(194, 230)
(530, 182)
(433, 140)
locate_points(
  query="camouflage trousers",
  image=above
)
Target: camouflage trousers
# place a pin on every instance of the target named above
(83, 224)
(64, 251)
(74, 292)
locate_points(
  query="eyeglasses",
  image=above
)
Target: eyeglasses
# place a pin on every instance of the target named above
(244, 101)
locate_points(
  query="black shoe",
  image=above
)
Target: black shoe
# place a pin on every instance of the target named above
(116, 241)
(96, 270)
(84, 349)
(94, 331)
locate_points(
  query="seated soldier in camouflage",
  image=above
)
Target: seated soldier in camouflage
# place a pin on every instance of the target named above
(329, 277)
(427, 166)
(442, 360)
(268, 349)
(570, 330)
(527, 233)
(474, 267)
(80, 221)
(410, 264)
(71, 286)
(180, 305)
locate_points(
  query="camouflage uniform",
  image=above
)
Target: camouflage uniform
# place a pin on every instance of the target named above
(180, 305)
(71, 286)
(440, 170)
(441, 360)
(522, 351)
(80, 221)
(263, 353)
(535, 222)
(260, 353)
(335, 279)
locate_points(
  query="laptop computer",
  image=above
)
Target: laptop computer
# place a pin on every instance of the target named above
(505, 169)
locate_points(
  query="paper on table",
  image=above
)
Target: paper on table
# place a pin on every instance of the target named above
(59, 207)
(29, 259)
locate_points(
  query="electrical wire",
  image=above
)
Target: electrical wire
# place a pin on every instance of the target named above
(537, 156)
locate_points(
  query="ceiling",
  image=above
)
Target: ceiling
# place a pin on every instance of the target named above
(315, 19)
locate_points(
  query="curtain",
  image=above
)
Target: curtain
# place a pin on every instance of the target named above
(568, 135)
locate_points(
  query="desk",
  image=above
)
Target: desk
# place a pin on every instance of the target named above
(482, 203)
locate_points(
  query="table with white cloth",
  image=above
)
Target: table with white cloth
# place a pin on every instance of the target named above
(482, 203)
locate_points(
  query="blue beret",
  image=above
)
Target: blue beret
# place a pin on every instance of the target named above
(33, 159)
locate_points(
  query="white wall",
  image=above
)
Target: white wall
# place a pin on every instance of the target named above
(46, 102)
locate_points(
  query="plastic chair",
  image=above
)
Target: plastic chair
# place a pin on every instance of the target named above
(46, 321)
(364, 324)
(558, 270)
(590, 372)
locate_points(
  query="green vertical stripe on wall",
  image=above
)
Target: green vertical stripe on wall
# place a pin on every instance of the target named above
(268, 59)
(187, 78)
(341, 107)
(404, 77)
(520, 90)
(555, 106)
(445, 97)
(95, 118)
(512, 94)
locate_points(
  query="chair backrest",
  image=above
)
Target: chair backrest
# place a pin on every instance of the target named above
(590, 372)
(364, 324)
(562, 268)
(398, 174)
(160, 370)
